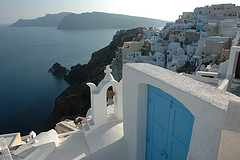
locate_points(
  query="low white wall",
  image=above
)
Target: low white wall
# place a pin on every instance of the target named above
(230, 138)
(206, 103)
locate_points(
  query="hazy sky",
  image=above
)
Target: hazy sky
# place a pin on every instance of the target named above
(12, 10)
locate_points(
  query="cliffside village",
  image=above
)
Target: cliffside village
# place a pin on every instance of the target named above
(154, 113)
(197, 43)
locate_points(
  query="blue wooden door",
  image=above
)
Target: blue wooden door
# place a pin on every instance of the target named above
(169, 127)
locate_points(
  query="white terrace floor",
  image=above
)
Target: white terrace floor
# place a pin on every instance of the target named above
(80, 144)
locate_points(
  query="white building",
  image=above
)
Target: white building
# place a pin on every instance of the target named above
(156, 43)
(173, 47)
(132, 57)
(192, 48)
(201, 43)
(227, 23)
(127, 48)
(159, 58)
(229, 32)
(181, 26)
(201, 15)
(147, 34)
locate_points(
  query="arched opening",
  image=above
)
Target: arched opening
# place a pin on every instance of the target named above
(110, 96)
(110, 100)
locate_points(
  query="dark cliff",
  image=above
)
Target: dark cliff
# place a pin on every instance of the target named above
(99, 20)
(75, 100)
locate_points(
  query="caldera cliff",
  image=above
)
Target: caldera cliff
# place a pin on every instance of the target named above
(75, 100)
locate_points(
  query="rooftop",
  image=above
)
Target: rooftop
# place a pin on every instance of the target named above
(198, 89)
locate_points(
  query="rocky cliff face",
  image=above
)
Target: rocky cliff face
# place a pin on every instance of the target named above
(75, 100)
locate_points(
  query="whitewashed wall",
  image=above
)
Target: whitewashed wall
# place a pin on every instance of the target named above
(206, 103)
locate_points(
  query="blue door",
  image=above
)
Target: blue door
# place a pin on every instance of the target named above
(169, 127)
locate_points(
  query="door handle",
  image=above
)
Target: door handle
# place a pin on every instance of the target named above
(164, 154)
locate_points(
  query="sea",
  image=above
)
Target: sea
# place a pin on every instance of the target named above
(27, 90)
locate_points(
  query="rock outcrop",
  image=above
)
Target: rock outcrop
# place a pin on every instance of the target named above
(75, 100)
(58, 70)
(100, 20)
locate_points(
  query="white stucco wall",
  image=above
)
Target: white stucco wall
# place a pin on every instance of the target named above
(206, 103)
(230, 137)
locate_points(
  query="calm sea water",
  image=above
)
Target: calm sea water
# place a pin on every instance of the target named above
(27, 90)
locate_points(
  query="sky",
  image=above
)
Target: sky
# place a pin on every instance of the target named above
(12, 10)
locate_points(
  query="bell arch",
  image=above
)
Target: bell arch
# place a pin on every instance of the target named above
(99, 96)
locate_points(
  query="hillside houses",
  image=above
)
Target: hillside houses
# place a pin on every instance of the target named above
(203, 33)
